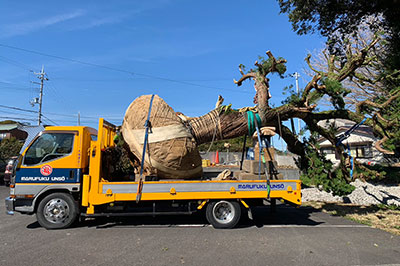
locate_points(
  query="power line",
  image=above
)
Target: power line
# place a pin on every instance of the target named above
(11, 88)
(88, 119)
(11, 83)
(16, 113)
(17, 118)
(50, 120)
(58, 96)
(72, 116)
(15, 88)
(64, 115)
(112, 68)
(113, 79)
(93, 118)
(16, 108)
(15, 63)
(85, 121)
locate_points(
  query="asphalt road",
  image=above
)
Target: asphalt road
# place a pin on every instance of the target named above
(291, 236)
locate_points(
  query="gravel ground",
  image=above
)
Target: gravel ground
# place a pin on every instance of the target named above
(364, 194)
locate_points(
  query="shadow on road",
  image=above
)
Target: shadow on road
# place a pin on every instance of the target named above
(284, 215)
(262, 216)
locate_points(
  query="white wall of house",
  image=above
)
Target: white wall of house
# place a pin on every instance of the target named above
(361, 147)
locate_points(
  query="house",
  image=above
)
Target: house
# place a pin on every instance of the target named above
(12, 130)
(361, 142)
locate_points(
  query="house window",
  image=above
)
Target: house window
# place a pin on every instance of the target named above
(328, 150)
(3, 135)
(362, 151)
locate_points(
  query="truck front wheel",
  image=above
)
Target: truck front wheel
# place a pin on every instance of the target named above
(57, 211)
(223, 214)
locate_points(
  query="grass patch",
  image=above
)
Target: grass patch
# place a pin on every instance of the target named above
(388, 207)
(385, 217)
(366, 222)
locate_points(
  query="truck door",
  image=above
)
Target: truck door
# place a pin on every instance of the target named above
(51, 158)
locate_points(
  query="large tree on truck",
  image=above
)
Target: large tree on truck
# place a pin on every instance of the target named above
(369, 65)
(225, 123)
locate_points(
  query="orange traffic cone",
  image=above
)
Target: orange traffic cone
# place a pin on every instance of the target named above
(216, 158)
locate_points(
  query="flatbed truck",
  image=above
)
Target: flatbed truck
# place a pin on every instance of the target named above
(60, 176)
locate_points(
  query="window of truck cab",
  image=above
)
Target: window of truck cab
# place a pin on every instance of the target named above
(49, 146)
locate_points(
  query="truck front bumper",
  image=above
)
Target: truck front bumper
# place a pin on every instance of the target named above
(10, 206)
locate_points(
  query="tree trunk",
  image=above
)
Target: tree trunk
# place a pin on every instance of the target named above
(217, 125)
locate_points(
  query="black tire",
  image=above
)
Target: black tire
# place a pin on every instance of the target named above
(57, 211)
(223, 214)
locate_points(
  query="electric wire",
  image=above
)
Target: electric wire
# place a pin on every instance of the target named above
(15, 88)
(16, 63)
(45, 117)
(11, 83)
(14, 113)
(114, 69)
(17, 118)
(17, 108)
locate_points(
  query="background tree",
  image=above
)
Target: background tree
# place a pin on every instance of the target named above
(367, 82)
(335, 19)
(349, 25)
(9, 148)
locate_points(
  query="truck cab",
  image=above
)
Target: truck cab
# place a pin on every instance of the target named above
(54, 161)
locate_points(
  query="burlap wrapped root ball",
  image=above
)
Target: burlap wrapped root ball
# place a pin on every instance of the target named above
(172, 151)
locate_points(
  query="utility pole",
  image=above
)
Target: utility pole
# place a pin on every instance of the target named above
(79, 118)
(41, 75)
(296, 75)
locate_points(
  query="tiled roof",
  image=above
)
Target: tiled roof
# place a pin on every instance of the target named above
(365, 130)
(362, 130)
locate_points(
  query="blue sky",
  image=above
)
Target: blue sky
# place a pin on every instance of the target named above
(154, 42)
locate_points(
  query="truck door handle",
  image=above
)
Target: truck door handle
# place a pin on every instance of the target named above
(71, 174)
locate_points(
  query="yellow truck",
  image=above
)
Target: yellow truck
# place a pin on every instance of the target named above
(60, 177)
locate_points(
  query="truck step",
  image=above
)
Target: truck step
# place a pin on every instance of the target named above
(119, 214)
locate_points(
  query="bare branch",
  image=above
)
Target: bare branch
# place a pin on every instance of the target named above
(378, 106)
(307, 59)
(380, 148)
(241, 70)
(309, 87)
(244, 77)
(355, 61)
(257, 64)
(274, 61)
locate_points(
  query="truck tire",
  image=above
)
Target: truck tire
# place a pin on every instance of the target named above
(223, 214)
(57, 211)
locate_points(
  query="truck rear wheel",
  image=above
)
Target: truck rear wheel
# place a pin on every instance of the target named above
(223, 214)
(57, 211)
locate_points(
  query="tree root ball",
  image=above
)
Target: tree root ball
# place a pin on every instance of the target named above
(172, 150)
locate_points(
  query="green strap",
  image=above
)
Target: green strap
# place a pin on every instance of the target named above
(251, 123)
(255, 124)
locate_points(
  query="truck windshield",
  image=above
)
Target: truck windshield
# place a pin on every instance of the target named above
(49, 146)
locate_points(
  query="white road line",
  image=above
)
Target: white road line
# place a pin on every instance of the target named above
(156, 226)
(376, 265)
(318, 225)
(264, 226)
